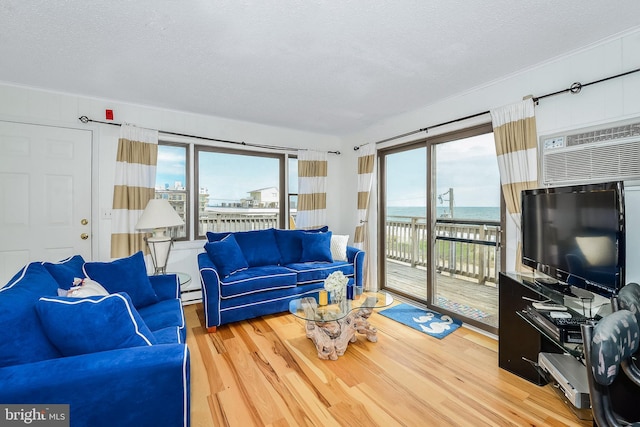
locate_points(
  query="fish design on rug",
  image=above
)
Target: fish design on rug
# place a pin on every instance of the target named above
(434, 327)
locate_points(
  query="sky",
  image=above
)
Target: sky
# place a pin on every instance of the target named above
(227, 177)
(469, 166)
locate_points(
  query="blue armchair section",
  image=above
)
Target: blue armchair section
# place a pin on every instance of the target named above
(112, 361)
(254, 273)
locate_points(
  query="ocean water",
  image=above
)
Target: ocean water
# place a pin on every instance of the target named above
(462, 212)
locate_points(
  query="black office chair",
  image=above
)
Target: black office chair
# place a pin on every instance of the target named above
(629, 299)
(615, 338)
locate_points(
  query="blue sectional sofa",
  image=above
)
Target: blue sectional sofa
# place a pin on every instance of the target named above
(253, 273)
(117, 359)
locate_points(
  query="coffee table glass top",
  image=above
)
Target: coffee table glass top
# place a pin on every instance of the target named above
(307, 308)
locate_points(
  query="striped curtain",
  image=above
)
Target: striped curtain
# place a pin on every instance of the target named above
(366, 162)
(134, 186)
(312, 194)
(514, 130)
(366, 175)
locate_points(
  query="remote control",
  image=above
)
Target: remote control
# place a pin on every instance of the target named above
(548, 306)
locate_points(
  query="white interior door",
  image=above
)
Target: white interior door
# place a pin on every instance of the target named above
(45, 195)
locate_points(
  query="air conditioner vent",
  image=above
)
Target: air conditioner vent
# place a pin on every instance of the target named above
(603, 135)
(595, 154)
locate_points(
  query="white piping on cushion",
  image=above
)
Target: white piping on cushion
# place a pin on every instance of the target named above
(206, 298)
(355, 267)
(185, 390)
(259, 291)
(270, 300)
(181, 314)
(58, 262)
(319, 268)
(177, 287)
(256, 278)
(24, 271)
(91, 301)
(321, 280)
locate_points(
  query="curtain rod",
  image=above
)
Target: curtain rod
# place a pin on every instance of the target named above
(85, 119)
(574, 89)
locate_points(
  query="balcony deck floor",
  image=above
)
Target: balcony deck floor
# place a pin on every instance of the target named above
(463, 296)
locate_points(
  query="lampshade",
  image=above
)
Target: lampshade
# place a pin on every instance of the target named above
(158, 214)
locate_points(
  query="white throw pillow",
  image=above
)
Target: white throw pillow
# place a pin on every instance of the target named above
(86, 288)
(339, 247)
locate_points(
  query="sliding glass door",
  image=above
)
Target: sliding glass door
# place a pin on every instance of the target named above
(441, 207)
(466, 258)
(405, 205)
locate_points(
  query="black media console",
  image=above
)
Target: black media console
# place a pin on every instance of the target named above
(520, 339)
(524, 334)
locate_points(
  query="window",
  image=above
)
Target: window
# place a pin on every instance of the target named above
(238, 190)
(171, 183)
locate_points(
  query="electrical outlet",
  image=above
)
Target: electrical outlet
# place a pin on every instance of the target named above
(106, 213)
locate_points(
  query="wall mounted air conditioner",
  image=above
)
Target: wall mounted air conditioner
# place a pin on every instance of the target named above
(604, 153)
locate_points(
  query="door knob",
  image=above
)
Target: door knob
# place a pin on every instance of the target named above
(84, 221)
(84, 236)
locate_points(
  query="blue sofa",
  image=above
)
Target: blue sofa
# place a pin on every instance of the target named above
(254, 273)
(117, 359)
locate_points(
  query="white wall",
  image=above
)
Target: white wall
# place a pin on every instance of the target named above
(613, 100)
(29, 105)
(605, 102)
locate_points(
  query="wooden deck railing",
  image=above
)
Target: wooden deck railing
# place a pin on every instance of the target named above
(217, 222)
(462, 247)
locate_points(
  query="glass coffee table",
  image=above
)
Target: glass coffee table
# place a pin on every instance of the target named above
(332, 327)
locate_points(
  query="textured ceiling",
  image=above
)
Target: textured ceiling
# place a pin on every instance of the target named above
(333, 67)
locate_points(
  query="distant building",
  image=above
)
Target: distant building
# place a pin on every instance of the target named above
(268, 197)
(178, 197)
(203, 199)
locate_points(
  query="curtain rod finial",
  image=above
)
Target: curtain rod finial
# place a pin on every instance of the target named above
(356, 148)
(576, 87)
(84, 119)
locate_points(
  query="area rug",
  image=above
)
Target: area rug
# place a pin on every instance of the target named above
(427, 321)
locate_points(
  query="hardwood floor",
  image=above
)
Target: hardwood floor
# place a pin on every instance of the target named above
(265, 372)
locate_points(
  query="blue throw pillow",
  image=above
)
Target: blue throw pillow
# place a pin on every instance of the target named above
(89, 325)
(290, 245)
(259, 247)
(216, 237)
(66, 270)
(124, 275)
(23, 338)
(316, 247)
(226, 255)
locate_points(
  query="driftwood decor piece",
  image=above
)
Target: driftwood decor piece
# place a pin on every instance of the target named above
(332, 336)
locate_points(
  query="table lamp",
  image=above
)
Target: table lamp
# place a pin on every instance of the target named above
(157, 216)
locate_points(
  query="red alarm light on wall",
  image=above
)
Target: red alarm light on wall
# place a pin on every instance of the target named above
(109, 114)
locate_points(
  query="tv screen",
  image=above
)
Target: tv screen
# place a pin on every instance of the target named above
(575, 234)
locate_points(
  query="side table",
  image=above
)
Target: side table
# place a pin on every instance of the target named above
(188, 296)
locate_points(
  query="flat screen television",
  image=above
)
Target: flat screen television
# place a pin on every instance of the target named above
(576, 235)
